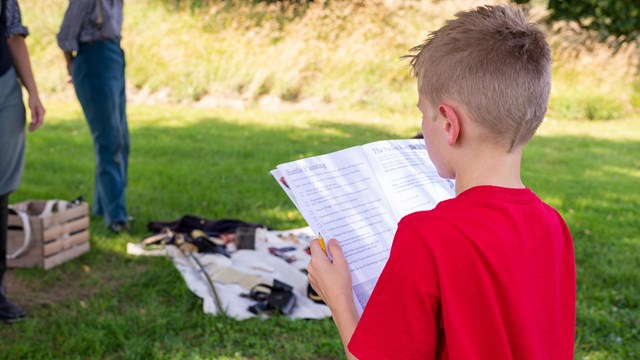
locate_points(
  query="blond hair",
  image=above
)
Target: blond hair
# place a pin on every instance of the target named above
(496, 64)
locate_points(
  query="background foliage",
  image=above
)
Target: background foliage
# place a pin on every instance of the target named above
(338, 54)
(619, 19)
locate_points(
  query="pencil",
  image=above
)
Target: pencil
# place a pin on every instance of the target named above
(322, 246)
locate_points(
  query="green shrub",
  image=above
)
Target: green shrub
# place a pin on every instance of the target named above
(609, 18)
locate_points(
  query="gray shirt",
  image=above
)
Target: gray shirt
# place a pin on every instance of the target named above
(90, 20)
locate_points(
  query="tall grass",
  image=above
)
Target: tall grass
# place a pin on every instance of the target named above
(591, 80)
(343, 53)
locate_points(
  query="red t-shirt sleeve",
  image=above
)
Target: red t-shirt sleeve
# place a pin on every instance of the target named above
(401, 318)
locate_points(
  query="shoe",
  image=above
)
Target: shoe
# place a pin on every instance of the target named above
(119, 227)
(9, 313)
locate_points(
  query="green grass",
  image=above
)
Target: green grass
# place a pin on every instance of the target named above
(215, 163)
(590, 173)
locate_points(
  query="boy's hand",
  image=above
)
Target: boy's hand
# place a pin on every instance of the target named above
(331, 279)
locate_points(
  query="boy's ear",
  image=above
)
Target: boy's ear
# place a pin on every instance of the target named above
(451, 123)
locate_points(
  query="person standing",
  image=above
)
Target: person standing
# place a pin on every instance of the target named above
(90, 39)
(14, 64)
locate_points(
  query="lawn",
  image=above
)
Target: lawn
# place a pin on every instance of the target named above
(215, 163)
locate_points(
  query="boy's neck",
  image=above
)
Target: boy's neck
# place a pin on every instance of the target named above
(488, 165)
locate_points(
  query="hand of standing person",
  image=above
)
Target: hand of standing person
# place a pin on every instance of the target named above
(22, 64)
(68, 57)
(37, 112)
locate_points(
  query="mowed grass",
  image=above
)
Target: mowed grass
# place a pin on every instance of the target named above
(215, 163)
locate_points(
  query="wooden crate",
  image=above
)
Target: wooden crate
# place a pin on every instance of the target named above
(55, 238)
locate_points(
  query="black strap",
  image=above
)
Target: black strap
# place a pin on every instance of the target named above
(278, 297)
(212, 227)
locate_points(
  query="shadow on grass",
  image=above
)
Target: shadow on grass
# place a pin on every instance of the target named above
(595, 184)
(118, 306)
(108, 304)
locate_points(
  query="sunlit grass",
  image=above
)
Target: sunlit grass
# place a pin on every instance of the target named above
(215, 164)
(342, 53)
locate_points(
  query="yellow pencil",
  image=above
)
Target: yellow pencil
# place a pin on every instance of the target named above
(322, 246)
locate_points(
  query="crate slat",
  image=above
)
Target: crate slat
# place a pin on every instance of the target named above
(58, 230)
(61, 244)
(14, 220)
(65, 256)
(64, 216)
(55, 238)
(30, 258)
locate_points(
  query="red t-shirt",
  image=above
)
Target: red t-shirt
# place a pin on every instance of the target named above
(489, 274)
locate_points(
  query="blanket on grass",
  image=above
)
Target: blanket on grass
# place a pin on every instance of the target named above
(280, 255)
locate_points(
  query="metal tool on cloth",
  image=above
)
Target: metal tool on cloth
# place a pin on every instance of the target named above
(197, 265)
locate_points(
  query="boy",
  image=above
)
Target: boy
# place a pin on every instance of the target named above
(489, 274)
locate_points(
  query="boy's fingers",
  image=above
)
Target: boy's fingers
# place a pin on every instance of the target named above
(316, 251)
(335, 250)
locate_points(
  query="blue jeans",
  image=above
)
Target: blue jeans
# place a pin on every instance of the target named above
(98, 78)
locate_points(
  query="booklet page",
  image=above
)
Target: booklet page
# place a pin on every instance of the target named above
(407, 176)
(358, 196)
(339, 196)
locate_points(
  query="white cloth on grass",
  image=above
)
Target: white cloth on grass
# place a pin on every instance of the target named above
(236, 275)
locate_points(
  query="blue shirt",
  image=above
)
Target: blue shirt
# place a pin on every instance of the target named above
(90, 20)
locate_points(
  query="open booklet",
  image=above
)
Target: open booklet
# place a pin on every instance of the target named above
(359, 194)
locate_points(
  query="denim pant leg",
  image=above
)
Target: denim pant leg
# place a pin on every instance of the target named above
(123, 119)
(98, 76)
